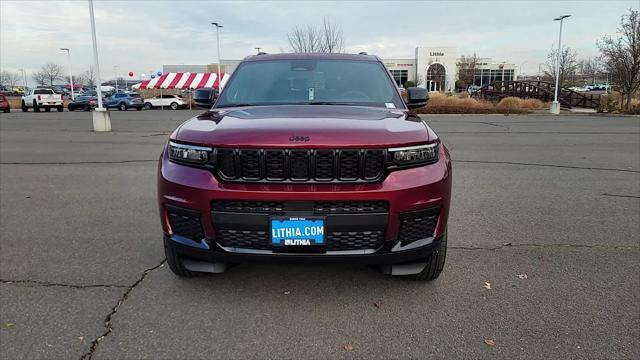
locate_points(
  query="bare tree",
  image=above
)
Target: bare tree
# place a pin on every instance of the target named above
(467, 66)
(622, 56)
(304, 40)
(325, 39)
(591, 68)
(90, 77)
(332, 40)
(9, 79)
(568, 64)
(48, 74)
(79, 79)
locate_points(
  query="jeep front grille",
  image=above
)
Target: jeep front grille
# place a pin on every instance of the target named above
(300, 165)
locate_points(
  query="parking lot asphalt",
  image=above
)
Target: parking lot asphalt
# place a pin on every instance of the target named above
(543, 260)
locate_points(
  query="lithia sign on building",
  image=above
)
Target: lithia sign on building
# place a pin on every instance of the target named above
(436, 53)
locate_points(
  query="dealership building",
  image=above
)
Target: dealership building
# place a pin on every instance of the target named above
(434, 68)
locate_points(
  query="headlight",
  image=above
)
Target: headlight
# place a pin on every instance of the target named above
(415, 155)
(197, 155)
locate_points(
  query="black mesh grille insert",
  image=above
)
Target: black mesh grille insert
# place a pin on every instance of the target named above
(349, 164)
(299, 164)
(373, 164)
(248, 206)
(259, 240)
(227, 162)
(250, 164)
(243, 239)
(354, 240)
(274, 164)
(185, 225)
(325, 166)
(318, 207)
(338, 207)
(417, 228)
(283, 165)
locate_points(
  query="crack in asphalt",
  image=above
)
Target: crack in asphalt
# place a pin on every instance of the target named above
(577, 246)
(107, 321)
(79, 162)
(493, 124)
(74, 286)
(545, 165)
(621, 195)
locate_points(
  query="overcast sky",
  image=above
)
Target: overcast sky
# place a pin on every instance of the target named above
(140, 36)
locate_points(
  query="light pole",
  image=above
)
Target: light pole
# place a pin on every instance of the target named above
(115, 73)
(101, 119)
(70, 71)
(555, 105)
(24, 75)
(218, 26)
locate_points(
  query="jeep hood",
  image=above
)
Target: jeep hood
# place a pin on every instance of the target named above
(304, 126)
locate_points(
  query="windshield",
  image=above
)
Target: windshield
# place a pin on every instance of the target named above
(322, 82)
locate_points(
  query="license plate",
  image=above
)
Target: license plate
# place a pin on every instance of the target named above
(297, 231)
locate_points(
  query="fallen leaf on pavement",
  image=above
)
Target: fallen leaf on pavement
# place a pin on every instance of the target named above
(287, 292)
(522, 276)
(377, 305)
(490, 342)
(506, 244)
(8, 325)
(347, 347)
(487, 285)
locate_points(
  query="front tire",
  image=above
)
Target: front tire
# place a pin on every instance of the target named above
(174, 106)
(148, 106)
(435, 263)
(176, 266)
(123, 107)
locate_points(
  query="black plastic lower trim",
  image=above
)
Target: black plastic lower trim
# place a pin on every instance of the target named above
(380, 257)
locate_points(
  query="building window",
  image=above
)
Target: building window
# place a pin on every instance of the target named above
(400, 76)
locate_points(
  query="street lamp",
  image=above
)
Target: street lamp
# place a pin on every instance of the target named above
(24, 75)
(218, 26)
(555, 105)
(101, 119)
(73, 97)
(115, 73)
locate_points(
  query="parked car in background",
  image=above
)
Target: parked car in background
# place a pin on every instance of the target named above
(124, 102)
(42, 98)
(4, 104)
(85, 103)
(172, 101)
(473, 88)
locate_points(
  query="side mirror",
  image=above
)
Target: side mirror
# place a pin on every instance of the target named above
(204, 98)
(417, 97)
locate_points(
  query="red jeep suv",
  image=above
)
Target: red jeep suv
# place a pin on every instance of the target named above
(307, 158)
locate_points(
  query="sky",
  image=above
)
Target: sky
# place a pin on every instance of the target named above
(141, 36)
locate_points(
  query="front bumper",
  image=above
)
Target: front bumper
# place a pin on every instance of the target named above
(410, 191)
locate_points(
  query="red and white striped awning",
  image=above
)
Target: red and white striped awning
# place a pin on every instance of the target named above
(183, 81)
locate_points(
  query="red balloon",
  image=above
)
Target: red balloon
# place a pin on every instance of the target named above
(131, 73)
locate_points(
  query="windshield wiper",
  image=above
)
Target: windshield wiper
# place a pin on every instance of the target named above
(236, 105)
(328, 103)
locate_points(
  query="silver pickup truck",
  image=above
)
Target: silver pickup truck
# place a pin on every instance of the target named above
(42, 98)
